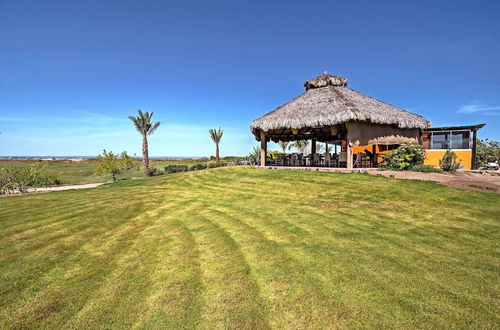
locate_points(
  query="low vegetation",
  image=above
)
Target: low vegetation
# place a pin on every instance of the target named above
(406, 156)
(112, 164)
(449, 162)
(483, 187)
(83, 172)
(238, 247)
(487, 151)
(21, 179)
(425, 169)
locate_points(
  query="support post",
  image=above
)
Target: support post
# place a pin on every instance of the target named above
(263, 148)
(313, 146)
(349, 155)
(474, 147)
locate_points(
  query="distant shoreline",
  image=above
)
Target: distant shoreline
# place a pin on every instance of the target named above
(78, 158)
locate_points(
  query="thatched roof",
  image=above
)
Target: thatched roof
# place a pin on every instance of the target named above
(327, 102)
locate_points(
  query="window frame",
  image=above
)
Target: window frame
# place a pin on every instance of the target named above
(449, 133)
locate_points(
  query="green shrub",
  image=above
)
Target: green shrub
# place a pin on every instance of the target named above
(215, 165)
(175, 168)
(114, 164)
(487, 151)
(153, 171)
(425, 169)
(449, 162)
(404, 157)
(20, 179)
(52, 179)
(197, 167)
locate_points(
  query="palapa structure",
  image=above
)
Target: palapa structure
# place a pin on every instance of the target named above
(329, 111)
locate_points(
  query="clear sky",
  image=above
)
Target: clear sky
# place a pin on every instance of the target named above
(71, 71)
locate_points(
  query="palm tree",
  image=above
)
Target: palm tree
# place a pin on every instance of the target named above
(319, 148)
(216, 135)
(301, 145)
(283, 145)
(144, 126)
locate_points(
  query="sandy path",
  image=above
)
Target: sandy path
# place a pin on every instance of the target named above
(70, 187)
(58, 188)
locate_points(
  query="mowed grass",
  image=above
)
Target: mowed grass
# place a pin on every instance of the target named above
(249, 248)
(82, 172)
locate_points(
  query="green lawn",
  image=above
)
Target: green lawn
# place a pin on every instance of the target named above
(82, 172)
(248, 248)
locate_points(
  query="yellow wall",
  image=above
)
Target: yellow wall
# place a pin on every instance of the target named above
(432, 157)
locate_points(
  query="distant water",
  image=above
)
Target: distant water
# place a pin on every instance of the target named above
(78, 157)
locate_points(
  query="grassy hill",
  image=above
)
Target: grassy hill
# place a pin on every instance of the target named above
(241, 247)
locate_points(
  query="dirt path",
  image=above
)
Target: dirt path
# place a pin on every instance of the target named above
(464, 180)
(59, 188)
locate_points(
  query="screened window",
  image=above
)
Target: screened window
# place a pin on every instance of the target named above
(460, 140)
(446, 140)
(441, 140)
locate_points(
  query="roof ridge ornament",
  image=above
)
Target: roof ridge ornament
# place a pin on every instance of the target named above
(324, 80)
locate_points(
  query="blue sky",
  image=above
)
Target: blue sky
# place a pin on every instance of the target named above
(72, 71)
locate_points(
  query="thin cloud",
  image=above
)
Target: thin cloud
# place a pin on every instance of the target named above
(475, 107)
(18, 120)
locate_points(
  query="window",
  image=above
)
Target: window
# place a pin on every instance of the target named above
(441, 140)
(460, 140)
(383, 147)
(446, 140)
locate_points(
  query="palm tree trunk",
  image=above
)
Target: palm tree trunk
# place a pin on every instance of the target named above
(217, 160)
(145, 154)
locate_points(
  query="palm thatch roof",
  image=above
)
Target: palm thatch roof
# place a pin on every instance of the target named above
(328, 102)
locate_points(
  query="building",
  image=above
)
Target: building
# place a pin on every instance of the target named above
(360, 127)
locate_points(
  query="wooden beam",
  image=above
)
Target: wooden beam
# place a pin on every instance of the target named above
(474, 147)
(349, 155)
(263, 148)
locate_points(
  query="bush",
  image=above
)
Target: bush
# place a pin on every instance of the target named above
(114, 164)
(405, 157)
(197, 167)
(449, 162)
(487, 151)
(175, 168)
(20, 179)
(153, 171)
(215, 165)
(52, 179)
(425, 169)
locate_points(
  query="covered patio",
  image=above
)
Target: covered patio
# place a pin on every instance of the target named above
(358, 127)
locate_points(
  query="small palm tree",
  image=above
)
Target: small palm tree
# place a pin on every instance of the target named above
(216, 135)
(300, 145)
(144, 126)
(284, 145)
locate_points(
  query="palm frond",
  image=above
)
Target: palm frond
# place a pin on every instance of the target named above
(153, 128)
(216, 134)
(143, 122)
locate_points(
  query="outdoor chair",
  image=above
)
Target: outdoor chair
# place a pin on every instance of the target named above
(343, 159)
(300, 160)
(329, 161)
(315, 160)
(335, 160)
(279, 159)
